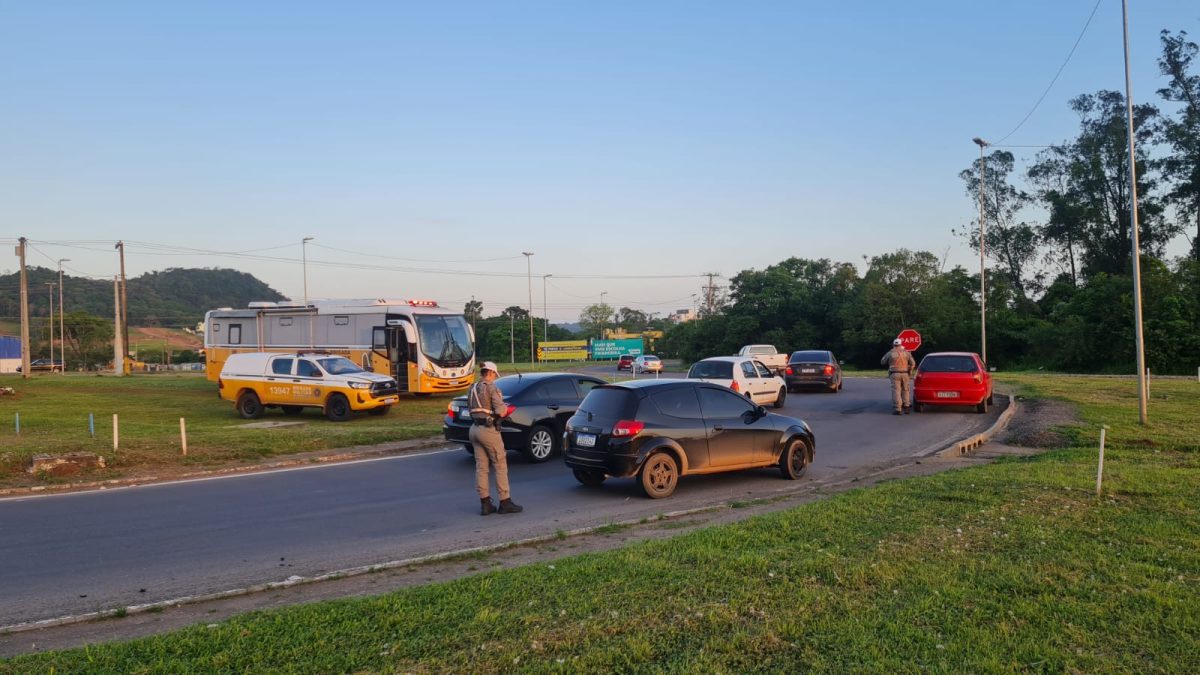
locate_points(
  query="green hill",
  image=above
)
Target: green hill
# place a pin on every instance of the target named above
(172, 297)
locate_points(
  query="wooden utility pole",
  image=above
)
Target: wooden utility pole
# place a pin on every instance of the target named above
(50, 286)
(710, 293)
(124, 303)
(118, 340)
(24, 312)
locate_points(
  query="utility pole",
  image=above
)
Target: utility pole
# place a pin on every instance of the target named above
(545, 312)
(124, 307)
(605, 320)
(982, 269)
(51, 285)
(1133, 228)
(312, 319)
(529, 286)
(710, 293)
(62, 334)
(24, 311)
(512, 344)
(118, 339)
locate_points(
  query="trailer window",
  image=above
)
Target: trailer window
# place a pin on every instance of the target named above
(235, 333)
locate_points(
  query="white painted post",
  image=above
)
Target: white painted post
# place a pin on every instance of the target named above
(1147, 384)
(116, 433)
(183, 434)
(1100, 466)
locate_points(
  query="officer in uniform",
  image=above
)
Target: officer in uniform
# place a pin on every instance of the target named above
(487, 409)
(900, 364)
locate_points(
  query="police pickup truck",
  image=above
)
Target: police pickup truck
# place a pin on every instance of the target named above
(256, 381)
(766, 355)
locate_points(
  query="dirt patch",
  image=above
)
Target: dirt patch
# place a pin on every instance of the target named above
(1040, 423)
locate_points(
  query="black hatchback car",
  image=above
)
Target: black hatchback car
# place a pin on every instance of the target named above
(539, 405)
(813, 368)
(659, 430)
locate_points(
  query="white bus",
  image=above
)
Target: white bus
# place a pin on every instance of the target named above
(426, 348)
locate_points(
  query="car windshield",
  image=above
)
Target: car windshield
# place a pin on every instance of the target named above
(445, 339)
(713, 370)
(338, 365)
(810, 357)
(948, 364)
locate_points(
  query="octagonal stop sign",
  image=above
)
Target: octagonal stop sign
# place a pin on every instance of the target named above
(909, 339)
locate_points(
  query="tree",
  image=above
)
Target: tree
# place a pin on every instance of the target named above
(1181, 169)
(1011, 243)
(89, 338)
(594, 318)
(473, 311)
(632, 320)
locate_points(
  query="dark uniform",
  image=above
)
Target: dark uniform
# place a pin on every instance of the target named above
(900, 364)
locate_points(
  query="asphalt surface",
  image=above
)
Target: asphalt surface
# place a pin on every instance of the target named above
(75, 553)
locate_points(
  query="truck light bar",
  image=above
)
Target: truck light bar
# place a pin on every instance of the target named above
(423, 303)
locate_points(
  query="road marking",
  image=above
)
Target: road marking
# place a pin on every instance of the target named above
(241, 474)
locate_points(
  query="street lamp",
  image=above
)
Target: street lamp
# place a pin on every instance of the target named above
(304, 265)
(529, 286)
(982, 270)
(545, 312)
(50, 286)
(62, 335)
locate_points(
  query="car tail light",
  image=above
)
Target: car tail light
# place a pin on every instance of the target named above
(627, 428)
(450, 409)
(508, 411)
(978, 378)
(828, 370)
(735, 386)
(789, 371)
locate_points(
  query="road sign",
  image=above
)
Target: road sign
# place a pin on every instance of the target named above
(909, 339)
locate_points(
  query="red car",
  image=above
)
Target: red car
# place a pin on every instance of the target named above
(625, 362)
(952, 378)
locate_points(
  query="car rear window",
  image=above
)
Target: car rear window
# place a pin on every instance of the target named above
(810, 357)
(948, 364)
(714, 370)
(512, 385)
(560, 389)
(610, 402)
(680, 402)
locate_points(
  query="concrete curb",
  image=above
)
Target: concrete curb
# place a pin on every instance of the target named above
(967, 445)
(333, 456)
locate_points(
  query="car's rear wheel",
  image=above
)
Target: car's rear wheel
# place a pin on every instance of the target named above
(381, 410)
(780, 398)
(794, 460)
(659, 475)
(292, 409)
(248, 406)
(542, 444)
(991, 400)
(589, 477)
(337, 408)
(982, 406)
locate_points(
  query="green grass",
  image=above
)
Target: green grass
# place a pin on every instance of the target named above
(1010, 566)
(54, 420)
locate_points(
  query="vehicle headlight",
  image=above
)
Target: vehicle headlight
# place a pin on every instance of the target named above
(360, 385)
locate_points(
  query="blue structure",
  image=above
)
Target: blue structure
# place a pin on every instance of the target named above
(10, 347)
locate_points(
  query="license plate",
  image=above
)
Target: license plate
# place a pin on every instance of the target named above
(389, 401)
(585, 440)
(808, 370)
(947, 394)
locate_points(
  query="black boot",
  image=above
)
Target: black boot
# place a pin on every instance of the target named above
(508, 506)
(486, 506)
(908, 410)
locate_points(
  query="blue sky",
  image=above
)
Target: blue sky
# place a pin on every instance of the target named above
(610, 139)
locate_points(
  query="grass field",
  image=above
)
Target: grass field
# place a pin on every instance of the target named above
(1009, 566)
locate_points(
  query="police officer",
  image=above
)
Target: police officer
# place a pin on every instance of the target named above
(487, 409)
(900, 364)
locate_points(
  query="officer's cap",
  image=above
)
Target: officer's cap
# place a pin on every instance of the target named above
(488, 365)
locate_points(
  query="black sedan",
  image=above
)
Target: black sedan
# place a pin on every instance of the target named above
(659, 430)
(539, 404)
(813, 368)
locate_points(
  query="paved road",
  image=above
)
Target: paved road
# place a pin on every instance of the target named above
(75, 553)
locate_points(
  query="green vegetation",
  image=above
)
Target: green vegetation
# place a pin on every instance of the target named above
(54, 419)
(1010, 566)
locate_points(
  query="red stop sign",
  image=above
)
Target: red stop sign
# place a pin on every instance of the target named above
(909, 339)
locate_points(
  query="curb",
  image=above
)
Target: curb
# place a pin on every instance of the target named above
(393, 448)
(967, 445)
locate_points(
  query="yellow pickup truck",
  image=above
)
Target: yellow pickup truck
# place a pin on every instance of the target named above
(256, 381)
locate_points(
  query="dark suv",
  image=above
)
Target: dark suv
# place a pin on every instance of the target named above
(659, 430)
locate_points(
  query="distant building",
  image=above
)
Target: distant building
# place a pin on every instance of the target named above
(681, 315)
(10, 353)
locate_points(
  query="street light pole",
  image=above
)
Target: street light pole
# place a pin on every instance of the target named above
(604, 322)
(529, 287)
(50, 285)
(1133, 227)
(982, 269)
(62, 334)
(545, 311)
(304, 265)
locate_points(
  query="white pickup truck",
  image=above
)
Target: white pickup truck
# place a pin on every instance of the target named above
(766, 355)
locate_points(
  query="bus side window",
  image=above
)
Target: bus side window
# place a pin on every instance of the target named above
(379, 340)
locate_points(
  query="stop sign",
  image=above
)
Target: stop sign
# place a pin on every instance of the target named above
(909, 339)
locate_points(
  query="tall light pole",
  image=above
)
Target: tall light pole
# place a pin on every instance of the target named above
(50, 286)
(304, 265)
(602, 306)
(1133, 226)
(982, 269)
(529, 285)
(62, 334)
(545, 311)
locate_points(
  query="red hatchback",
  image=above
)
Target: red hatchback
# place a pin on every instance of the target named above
(625, 362)
(952, 378)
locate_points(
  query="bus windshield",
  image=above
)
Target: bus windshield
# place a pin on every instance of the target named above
(444, 339)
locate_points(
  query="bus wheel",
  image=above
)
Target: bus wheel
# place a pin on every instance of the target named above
(248, 406)
(337, 408)
(380, 411)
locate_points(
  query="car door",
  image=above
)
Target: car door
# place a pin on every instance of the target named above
(306, 384)
(680, 419)
(769, 387)
(736, 433)
(561, 398)
(279, 380)
(754, 383)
